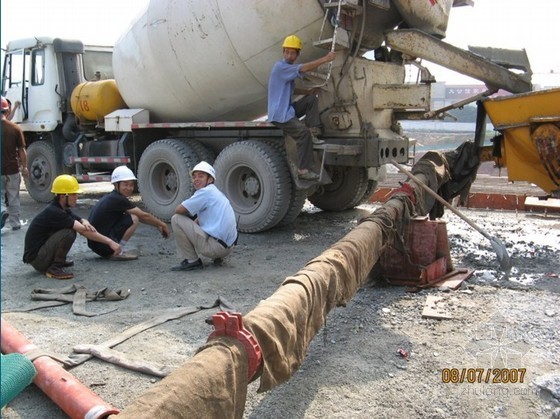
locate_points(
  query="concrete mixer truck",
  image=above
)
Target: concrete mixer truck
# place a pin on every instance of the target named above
(188, 82)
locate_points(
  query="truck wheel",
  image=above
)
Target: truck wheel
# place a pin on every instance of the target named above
(347, 189)
(370, 189)
(203, 152)
(164, 177)
(298, 196)
(41, 162)
(255, 178)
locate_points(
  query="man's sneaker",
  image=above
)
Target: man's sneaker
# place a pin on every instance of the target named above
(316, 131)
(67, 263)
(124, 257)
(5, 217)
(316, 141)
(188, 266)
(57, 272)
(309, 175)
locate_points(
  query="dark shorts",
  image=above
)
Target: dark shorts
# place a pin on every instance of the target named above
(116, 234)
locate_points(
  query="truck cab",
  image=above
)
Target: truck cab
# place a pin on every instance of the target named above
(40, 74)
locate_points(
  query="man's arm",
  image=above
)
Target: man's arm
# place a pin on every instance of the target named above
(312, 65)
(97, 237)
(181, 210)
(17, 104)
(147, 218)
(22, 155)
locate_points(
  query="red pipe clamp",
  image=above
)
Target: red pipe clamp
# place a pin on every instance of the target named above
(231, 325)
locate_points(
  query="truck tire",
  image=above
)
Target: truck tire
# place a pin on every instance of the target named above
(41, 162)
(298, 196)
(255, 178)
(370, 189)
(347, 189)
(164, 176)
(203, 152)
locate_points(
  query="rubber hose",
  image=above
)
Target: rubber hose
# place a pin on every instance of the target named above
(17, 373)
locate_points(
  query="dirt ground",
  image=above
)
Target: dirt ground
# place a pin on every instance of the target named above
(353, 368)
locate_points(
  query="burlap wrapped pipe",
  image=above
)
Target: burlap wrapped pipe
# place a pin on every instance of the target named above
(285, 323)
(213, 384)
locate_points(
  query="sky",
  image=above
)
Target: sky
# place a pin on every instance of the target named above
(515, 24)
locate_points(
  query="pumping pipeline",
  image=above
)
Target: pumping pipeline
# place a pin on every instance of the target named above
(214, 382)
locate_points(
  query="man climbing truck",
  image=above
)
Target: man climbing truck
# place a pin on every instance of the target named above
(161, 120)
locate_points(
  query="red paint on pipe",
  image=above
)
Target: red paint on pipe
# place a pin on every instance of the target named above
(63, 388)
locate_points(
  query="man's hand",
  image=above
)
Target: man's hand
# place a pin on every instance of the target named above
(88, 225)
(331, 55)
(25, 171)
(164, 230)
(115, 247)
(312, 65)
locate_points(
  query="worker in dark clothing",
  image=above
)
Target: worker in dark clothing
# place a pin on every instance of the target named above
(52, 232)
(14, 161)
(285, 114)
(117, 217)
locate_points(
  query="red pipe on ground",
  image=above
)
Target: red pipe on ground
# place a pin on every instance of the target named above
(63, 388)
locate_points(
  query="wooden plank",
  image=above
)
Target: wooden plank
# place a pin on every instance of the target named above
(456, 280)
(434, 308)
(550, 204)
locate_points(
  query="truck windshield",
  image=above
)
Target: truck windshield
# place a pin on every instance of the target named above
(98, 63)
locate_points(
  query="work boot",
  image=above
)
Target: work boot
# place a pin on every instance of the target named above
(188, 266)
(57, 272)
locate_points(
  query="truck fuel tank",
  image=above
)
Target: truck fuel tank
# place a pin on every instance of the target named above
(92, 100)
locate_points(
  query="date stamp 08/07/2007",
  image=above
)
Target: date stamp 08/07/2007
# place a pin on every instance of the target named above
(483, 375)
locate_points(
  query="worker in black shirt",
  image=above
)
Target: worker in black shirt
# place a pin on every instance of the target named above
(53, 231)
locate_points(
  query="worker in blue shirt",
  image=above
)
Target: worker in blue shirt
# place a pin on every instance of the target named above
(285, 114)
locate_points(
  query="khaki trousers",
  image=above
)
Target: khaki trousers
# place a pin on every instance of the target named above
(192, 242)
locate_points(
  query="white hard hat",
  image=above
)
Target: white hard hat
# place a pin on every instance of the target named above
(121, 174)
(204, 167)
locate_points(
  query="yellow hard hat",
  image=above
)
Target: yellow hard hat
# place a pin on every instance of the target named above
(65, 184)
(292, 41)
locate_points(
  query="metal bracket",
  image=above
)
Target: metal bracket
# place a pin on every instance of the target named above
(231, 325)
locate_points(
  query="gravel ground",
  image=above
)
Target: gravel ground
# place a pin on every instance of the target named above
(353, 368)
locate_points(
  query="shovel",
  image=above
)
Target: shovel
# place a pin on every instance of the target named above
(497, 245)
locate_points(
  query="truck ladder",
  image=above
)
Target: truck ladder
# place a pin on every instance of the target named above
(78, 161)
(340, 40)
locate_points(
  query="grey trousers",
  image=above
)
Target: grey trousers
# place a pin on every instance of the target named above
(10, 187)
(299, 129)
(304, 141)
(47, 253)
(192, 242)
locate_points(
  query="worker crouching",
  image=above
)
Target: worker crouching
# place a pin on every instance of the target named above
(204, 224)
(52, 232)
